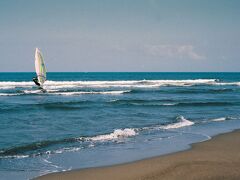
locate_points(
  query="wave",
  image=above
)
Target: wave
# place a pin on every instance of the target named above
(32, 91)
(68, 105)
(136, 86)
(14, 84)
(56, 92)
(43, 147)
(127, 83)
(131, 83)
(48, 106)
(10, 94)
(14, 156)
(37, 148)
(90, 92)
(7, 87)
(183, 91)
(118, 133)
(222, 119)
(208, 103)
(203, 91)
(182, 123)
(228, 83)
(168, 102)
(33, 147)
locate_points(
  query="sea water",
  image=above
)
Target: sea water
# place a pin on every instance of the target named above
(97, 119)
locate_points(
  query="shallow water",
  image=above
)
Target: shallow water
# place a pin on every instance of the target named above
(94, 119)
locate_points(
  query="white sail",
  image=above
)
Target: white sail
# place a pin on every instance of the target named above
(40, 67)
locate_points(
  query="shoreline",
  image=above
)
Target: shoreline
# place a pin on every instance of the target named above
(216, 158)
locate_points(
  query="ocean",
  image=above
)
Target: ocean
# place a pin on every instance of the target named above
(97, 119)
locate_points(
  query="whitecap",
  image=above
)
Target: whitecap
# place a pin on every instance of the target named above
(117, 134)
(169, 104)
(7, 87)
(15, 83)
(14, 156)
(90, 92)
(224, 118)
(126, 84)
(32, 91)
(183, 122)
(129, 83)
(219, 119)
(10, 94)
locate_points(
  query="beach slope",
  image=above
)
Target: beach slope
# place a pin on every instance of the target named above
(218, 158)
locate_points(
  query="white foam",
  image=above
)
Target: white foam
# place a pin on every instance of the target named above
(169, 104)
(219, 119)
(118, 133)
(107, 84)
(14, 156)
(7, 87)
(10, 94)
(90, 92)
(73, 149)
(228, 83)
(27, 92)
(32, 91)
(38, 91)
(14, 83)
(183, 122)
(51, 163)
(224, 119)
(129, 83)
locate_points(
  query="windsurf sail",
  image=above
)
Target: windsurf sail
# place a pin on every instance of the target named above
(40, 67)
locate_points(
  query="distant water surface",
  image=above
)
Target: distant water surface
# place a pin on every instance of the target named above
(95, 119)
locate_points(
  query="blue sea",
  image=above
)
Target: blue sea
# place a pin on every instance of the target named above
(97, 119)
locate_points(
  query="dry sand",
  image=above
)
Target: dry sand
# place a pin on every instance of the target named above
(218, 158)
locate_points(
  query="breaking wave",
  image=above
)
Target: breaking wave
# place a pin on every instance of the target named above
(106, 84)
(42, 147)
(71, 88)
(10, 94)
(131, 83)
(56, 92)
(37, 148)
(220, 119)
(118, 133)
(223, 119)
(90, 92)
(182, 123)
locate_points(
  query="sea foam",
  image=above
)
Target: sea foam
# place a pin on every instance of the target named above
(90, 92)
(224, 119)
(107, 84)
(118, 133)
(10, 94)
(220, 119)
(182, 123)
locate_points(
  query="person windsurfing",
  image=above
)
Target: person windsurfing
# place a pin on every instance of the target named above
(40, 69)
(35, 80)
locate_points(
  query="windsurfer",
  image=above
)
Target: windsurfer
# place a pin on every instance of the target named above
(35, 80)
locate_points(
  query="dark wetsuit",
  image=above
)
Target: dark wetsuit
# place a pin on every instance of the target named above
(35, 80)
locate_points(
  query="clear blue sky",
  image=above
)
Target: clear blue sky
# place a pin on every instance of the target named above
(121, 35)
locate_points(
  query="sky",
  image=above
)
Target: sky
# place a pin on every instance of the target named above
(121, 35)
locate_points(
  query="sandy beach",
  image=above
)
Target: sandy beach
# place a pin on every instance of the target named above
(218, 158)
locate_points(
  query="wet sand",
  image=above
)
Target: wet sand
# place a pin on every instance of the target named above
(218, 158)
